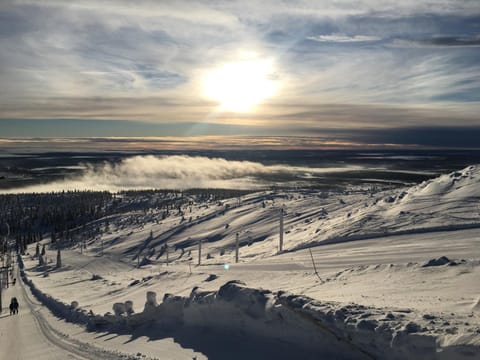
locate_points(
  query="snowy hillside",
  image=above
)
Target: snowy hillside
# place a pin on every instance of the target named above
(408, 289)
(311, 217)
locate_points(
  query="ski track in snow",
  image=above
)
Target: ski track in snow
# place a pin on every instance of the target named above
(30, 336)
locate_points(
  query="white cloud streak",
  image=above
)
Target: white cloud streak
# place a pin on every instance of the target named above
(174, 172)
(342, 38)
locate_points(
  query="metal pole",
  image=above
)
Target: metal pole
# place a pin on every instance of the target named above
(236, 248)
(8, 265)
(199, 252)
(1, 288)
(166, 250)
(281, 231)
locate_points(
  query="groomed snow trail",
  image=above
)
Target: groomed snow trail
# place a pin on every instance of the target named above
(28, 335)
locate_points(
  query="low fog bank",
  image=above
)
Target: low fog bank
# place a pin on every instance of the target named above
(179, 172)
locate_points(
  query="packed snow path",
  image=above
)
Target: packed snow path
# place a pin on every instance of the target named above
(28, 335)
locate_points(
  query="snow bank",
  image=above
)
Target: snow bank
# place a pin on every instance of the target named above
(332, 329)
(70, 312)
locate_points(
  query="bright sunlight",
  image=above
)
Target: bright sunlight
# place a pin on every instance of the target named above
(239, 86)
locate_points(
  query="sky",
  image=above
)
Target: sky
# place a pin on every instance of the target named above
(385, 72)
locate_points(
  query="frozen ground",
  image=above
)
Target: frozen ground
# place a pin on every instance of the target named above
(373, 295)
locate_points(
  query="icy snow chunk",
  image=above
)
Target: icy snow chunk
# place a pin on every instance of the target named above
(211, 277)
(412, 327)
(129, 307)
(201, 297)
(119, 309)
(437, 262)
(252, 301)
(151, 302)
(134, 282)
(369, 325)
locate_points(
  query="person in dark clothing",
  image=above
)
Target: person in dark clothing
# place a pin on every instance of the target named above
(14, 306)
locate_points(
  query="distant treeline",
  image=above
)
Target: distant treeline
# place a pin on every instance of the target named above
(31, 217)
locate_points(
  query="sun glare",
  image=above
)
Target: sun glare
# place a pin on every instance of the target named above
(239, 86)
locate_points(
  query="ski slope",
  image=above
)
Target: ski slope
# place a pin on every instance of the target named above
(370, 249)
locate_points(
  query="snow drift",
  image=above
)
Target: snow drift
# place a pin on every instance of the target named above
(331, 329)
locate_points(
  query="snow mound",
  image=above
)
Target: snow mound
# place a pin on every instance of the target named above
(458, 184)
(439, 262)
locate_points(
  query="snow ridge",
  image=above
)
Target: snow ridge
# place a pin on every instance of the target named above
(335, 330)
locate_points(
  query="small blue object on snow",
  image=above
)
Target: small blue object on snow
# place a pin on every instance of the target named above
(226, 266)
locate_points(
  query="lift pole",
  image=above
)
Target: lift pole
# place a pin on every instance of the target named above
(236, 247)
(199, 252)
(280, 245)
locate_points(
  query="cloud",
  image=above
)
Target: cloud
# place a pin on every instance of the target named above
(440, 41)
(105, 59)
(342, 38)
(176, 172)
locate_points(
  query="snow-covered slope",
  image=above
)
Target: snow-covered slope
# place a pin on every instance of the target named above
(435, 308)
(311, 217)
(447, 202)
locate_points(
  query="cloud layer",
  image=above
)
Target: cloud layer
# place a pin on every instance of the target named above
(111, 60)
(176, 172)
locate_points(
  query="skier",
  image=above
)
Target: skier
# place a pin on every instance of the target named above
(14, 306)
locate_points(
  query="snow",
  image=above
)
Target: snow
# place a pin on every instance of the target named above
(374, 295)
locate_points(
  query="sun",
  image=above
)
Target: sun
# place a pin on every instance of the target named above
(239, 86)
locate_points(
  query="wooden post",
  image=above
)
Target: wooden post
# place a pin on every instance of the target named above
(199, 252)
(314, 266)
(236, 247)
(166, 250)
(280, 245)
